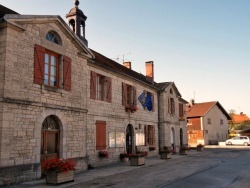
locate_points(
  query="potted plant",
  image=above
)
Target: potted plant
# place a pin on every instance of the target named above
(183, 150)
(124, 157)
(129, 108)
(165, 153)
(138, 158)
(59, 170)
(103, 154)
(151, 148)
(200, 147)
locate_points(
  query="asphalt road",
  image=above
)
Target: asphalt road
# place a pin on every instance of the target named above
(214, 168)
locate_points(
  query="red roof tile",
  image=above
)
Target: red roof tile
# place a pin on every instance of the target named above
(239, 118)
(200, 109)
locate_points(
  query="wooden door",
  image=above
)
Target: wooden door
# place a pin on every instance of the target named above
(50, 139)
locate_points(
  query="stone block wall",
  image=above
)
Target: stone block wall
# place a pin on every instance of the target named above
(116, 118)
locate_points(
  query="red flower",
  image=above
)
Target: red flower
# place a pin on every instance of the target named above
(58, 165)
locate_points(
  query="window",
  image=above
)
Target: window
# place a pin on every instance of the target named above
(100, 135)
(208, 121)
(171, 106)
(51, 68)
(100, 87)
(181, 112)
(221, 121)
(51, 36)
(149, 135)
(46, 69)
(116, 139)
(129, 95)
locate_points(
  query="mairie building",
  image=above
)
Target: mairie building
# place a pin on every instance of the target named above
(59, 98)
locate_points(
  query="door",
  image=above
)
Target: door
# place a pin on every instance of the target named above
(129, 139)
(50, 139)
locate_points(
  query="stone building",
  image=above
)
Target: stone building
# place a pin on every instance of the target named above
(172, 122)
(61, 99)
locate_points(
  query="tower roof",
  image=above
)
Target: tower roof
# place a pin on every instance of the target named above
(76, 11)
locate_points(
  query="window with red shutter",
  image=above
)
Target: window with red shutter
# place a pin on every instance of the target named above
(100, 135)
(46, 68)
(129, 95)
(150, 135)
(100, 87)
(181, 110)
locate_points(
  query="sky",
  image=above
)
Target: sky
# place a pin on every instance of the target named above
(203, 46)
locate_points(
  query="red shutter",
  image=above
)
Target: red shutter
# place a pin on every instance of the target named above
(173, 106)
(39, 64)
(109, 89)
(153, 136)
(124, 94)
(134, 97)
(93, 85)
(180, 110)
(66, 73)
(146, 134)
(168, 105)
(100, 135)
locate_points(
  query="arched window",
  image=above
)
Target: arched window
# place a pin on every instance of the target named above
(53, 37)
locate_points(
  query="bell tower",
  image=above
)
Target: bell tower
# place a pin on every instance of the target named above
(76, 21)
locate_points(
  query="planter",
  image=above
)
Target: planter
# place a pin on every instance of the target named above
(137, 161)
(165, 156)
(52, 177)
(125, 159)
(183, 152)
(199, 148)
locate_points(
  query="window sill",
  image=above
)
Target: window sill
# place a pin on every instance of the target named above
(51, 89)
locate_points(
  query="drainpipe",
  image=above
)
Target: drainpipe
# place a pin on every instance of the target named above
(159, 142)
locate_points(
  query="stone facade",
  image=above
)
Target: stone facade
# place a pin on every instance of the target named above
(25, 105)
(173, 128)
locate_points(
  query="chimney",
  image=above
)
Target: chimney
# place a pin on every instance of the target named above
(192, 102)
(127, 64)
(150, 71)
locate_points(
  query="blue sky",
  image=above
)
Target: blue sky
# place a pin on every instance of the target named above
(201, 45)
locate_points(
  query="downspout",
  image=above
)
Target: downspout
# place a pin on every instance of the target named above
(159, 142)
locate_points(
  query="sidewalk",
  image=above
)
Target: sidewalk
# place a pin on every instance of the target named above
(100, 172)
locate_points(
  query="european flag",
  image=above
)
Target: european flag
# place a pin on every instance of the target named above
(146, 100)
(142, 99)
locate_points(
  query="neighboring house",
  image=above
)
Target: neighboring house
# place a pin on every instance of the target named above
(207, 123)
(61, 99)
(239, 122)
(172, 116)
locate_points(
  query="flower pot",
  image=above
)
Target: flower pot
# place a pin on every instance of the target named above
(199, 148)
(125, 159)
(165, 156)
(183, 152)
(137, 161)
(53, 177)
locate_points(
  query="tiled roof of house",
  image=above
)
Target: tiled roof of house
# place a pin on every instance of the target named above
(4, 10)
(201, 109)
(239, 118)
(109, 63)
